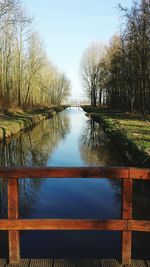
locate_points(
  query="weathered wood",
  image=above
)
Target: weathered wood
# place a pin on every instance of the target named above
(78, 172)
(64, 263)
(13, 213)
(110, 263)
(69, 224)
(126, 247)
(126, 225)
(88, 263)
(138, 263)
(137, 225)
(2, 262)
(73, 263)
(139, 173)
(126, 215)
(148, 263)
(41, 263)
(22, 263)
(63, 224)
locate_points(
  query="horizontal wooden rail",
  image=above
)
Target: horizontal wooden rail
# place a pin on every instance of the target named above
(84, 172)
(78, 172)
(63, 224)
(137, 225)
(74, 224)
(14, 224)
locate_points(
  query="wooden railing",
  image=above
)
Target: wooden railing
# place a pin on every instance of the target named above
(13, 224)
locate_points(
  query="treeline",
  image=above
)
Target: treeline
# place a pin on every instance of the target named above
(119, 75)
(27, 77)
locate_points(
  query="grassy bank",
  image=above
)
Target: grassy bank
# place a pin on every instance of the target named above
(130, 133)
(15, 121)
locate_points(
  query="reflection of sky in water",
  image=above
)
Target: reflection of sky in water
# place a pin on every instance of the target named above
(78, 198)
(75, 198)
(63, 141)
(67, 152)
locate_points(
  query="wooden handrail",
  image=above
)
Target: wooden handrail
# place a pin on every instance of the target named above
(76, 172)
(74, 224)
(63, 224)
(13, 224)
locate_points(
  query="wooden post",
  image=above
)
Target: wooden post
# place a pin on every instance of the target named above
(13, 213)
(126, 215)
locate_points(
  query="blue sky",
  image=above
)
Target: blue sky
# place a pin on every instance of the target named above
(67, 27)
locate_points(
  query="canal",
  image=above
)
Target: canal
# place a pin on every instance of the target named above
(70, 139)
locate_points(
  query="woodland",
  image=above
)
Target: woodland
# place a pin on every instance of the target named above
(28, 78)
(118, 75)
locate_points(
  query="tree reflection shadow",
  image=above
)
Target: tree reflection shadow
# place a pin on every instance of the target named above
(31, 148)
(97, 150)
(95, 146)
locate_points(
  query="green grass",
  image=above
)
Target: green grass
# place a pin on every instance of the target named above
(17, 120)
(137, 129)
(132, 129)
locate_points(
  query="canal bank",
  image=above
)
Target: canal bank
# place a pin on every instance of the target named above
(16, 121)
(129, 133)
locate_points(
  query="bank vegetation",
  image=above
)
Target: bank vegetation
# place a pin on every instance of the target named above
(14, 122)
(128, 132)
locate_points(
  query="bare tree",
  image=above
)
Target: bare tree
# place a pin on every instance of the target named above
(91, 71)
(27, 77)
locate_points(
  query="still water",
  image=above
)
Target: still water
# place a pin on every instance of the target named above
(69, 139)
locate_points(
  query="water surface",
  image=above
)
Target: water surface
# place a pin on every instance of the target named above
(68, 139)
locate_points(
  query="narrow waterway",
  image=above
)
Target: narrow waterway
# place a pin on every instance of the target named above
(68, 139)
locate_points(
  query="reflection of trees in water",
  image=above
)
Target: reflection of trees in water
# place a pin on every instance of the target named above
(141, 197)
(95, 150)
(117, 188)
(34, 147)
(95, 147)
(31, 148)
(141, 200)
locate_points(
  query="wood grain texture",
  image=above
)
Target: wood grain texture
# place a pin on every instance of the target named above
(138, 263)
(62, 224)
(22, 263)
(110, 263)
(13, 224)
(64, 263)
(77, 172)
(68, 224)
(139, 173)
(2, 262)
(126, 247)
(73, 263)
(13, 213)
(41, 263)
(126, 215)
(148, 263)
(137, 225)
(88, 263)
